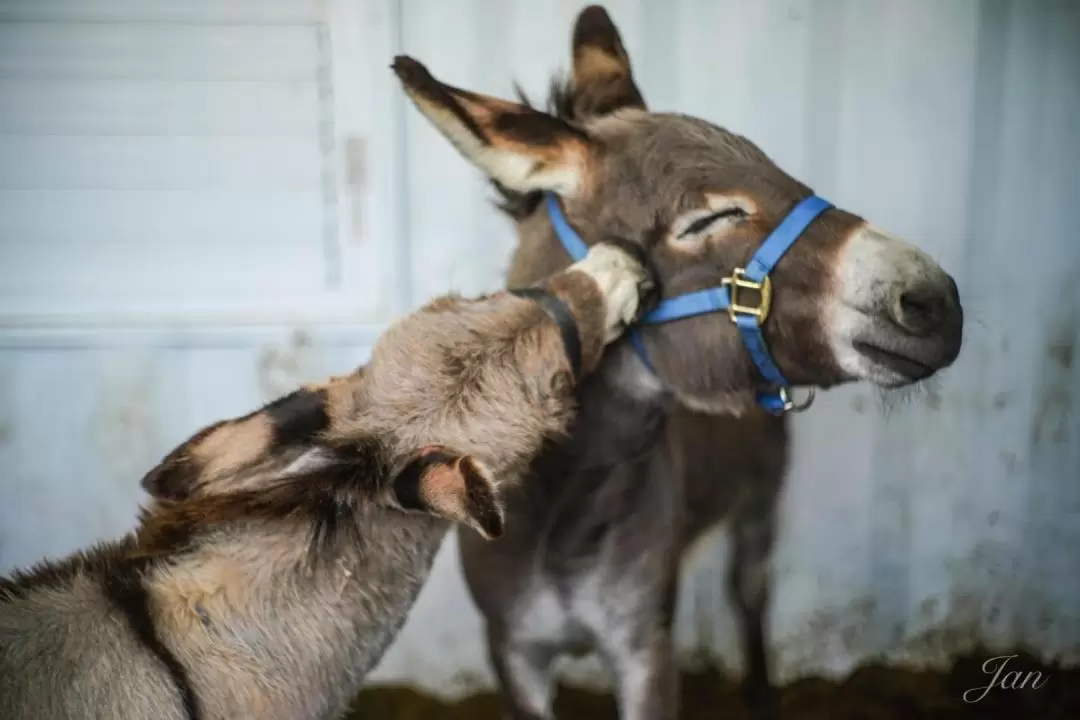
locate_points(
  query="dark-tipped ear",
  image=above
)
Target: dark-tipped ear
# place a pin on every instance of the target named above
(272, 439)
(453, 486)
(520, 148)
(177, 475)
(603, 79)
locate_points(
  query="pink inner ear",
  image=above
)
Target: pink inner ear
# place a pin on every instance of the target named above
(443, 482)
(443, 487)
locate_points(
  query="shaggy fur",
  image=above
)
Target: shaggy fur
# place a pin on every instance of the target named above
(283, 550)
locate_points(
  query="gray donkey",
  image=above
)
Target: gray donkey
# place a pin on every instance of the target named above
(283, 550)
(668, 442)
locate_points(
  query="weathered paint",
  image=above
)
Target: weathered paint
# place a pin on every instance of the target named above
(910, 529)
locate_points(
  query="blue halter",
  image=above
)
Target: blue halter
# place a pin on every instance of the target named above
(748, 318)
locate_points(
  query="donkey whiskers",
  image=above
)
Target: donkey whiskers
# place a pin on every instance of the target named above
(890, 400)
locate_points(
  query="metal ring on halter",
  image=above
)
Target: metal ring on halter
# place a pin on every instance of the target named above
(789, 403)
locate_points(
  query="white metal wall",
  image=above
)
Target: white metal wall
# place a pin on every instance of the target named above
(205, 203)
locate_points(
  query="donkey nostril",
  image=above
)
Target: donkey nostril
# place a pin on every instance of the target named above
(923, 307)
(920, 309)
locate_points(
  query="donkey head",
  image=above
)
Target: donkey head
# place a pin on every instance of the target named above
(848, 301)
(300, 452)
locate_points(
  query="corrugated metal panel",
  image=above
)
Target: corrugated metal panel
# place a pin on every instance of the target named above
(148, 149)
(953, 518)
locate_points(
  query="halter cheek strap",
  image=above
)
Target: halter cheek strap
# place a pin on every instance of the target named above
(728, 296)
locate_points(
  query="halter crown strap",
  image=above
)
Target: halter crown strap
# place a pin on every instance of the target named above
(577, 249)
(569, 239)
(747, 319)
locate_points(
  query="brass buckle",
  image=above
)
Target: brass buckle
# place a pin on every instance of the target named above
(791, 406)
(737, 282)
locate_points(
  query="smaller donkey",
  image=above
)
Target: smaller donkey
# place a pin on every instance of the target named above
(283, 550)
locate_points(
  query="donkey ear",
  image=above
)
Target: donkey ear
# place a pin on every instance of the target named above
(520, 148)
(278, 439)
(603, 79)
(453, 486)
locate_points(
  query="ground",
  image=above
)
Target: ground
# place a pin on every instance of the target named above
(871, 692)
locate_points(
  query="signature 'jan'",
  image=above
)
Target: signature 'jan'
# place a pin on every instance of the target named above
(1006, 680)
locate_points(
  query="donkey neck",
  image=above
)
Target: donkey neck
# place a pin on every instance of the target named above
(623, 408)
(265, 633)
(538, 255)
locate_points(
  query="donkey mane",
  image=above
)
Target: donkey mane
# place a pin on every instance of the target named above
(561, 98)
(50, 574)
(326, 500)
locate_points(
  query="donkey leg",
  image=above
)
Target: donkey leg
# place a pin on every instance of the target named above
(640, 653)
(646, 674)
(753, 533)
(523, 669)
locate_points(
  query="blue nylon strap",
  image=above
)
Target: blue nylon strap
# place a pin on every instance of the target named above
(771, 401)
(577, 249)
(716, 298)
(570, 239)
(639, 345)
(688, 305)
(784, 236)
(759, 351)
(761, 264)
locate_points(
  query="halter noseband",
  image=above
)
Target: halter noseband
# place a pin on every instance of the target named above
(748, 318)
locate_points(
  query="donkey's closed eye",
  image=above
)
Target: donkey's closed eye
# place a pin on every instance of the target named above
(703, 223)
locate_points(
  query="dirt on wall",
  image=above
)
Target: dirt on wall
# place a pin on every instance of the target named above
(871, 692)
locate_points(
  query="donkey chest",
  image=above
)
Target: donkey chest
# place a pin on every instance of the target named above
(574, 616)
(571, 598)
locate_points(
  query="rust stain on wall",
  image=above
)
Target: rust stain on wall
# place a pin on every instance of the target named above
(356, 180)
(1054, 391)
(1062, 352)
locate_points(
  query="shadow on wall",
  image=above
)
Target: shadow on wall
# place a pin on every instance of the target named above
(979, 686)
